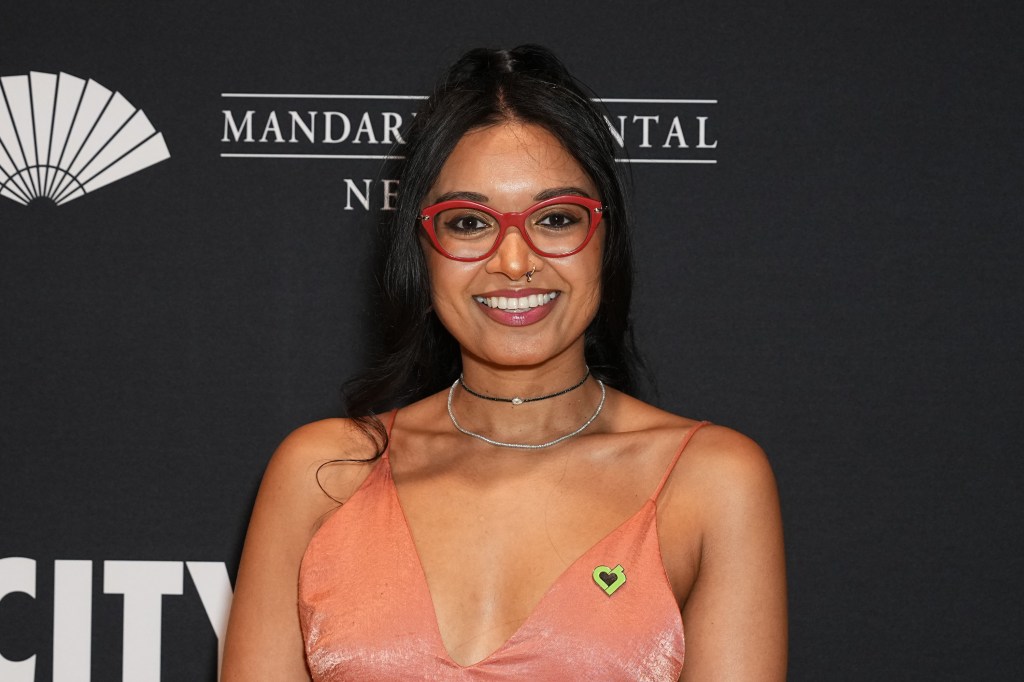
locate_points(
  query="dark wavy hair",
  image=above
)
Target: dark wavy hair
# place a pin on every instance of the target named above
(415, 354)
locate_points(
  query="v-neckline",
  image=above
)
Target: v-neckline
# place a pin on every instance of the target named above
(439, 639)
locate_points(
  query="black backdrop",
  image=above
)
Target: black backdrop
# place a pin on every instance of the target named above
(842, 283)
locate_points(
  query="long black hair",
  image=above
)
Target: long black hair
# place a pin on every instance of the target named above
(415, 354)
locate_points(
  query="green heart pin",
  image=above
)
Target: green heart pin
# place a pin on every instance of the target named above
(609, 579)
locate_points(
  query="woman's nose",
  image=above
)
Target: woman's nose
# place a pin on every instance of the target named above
(513, 255)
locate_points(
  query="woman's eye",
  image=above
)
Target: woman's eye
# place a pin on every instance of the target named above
(469, 223)
(558, 220)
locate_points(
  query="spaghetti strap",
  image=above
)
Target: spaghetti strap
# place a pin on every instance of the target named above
(391, 424)
(388, 429)
(672, 465)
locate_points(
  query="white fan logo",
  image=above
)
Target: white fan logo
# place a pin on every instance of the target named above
(62, 137)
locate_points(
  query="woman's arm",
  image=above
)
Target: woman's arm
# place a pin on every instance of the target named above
(263, 639)
(735, 615)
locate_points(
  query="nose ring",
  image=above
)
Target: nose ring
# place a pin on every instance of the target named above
(529, 275)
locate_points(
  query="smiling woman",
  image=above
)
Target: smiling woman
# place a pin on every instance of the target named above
(513, 513)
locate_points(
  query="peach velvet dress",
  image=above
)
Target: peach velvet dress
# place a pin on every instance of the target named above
(366, 612)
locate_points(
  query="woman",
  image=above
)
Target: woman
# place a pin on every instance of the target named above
(521, 517)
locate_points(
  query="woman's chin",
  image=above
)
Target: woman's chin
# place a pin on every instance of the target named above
(517, 354)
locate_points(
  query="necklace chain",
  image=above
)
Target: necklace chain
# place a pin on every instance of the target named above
(519, 401)
(523, 446)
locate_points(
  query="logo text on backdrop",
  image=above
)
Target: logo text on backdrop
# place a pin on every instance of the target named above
(363, 129)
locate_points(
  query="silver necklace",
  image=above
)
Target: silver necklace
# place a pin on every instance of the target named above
(523, 446)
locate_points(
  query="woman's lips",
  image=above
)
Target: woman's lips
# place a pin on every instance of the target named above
(517, 308)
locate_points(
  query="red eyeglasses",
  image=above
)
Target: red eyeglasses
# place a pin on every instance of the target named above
(553, 228)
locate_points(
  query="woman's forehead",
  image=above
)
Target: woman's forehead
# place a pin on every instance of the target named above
(509, 161)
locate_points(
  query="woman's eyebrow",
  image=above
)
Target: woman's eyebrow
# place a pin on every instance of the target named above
(465, 196)
(561, 192)
(540, 196)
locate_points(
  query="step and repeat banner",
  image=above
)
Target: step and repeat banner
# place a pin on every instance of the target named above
(829, 240)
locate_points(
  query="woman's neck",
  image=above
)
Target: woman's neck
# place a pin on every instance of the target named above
(527, 384)
(525, 404)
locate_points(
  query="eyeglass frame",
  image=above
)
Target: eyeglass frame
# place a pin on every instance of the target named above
(512, 218)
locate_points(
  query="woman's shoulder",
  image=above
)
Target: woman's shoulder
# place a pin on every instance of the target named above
(725, 475)
(713, 452)
(730, 464)
(324, 461)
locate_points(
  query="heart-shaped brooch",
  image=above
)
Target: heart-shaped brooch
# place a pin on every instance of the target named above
(610, 579)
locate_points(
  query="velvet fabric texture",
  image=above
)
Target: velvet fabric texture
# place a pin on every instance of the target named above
(366, 611)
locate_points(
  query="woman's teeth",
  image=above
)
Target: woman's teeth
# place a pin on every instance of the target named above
(517, 304)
